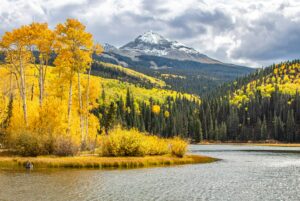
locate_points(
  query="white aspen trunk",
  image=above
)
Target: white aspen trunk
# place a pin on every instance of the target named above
(41, 85)
(23, 91)
(80, 112)
(87, 105)
(70, 106)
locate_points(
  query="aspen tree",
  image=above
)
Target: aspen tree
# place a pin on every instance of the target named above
(16, 46)
(43, 40)
(75, 54)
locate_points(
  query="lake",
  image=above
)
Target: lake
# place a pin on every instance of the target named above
(244, 173)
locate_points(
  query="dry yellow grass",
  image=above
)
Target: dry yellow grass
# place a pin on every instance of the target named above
(252, 144)
(277, 144)
(101, 162)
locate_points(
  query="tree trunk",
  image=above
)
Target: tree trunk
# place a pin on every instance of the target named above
(87, 105)
(23, 91)
(32, 92)
(80, 113)
(41, 85)
(42, 77)
(70, 105)
(44, 72)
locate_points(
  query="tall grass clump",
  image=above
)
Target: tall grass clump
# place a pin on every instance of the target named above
(134, 143)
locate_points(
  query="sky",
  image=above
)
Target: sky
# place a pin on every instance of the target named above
(246, 32)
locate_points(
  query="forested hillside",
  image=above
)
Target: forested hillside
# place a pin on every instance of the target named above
(199, 78)
(109, 70)
(262, 106)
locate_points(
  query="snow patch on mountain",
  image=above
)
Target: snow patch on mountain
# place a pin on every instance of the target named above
(156, 52)
(183, 48)
(108, 47)
(151, 37)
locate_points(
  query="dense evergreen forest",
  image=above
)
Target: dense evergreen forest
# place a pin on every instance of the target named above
(262, 106)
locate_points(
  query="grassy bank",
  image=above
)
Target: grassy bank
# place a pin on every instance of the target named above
(271, 144)
(276, 144)
(95, 162)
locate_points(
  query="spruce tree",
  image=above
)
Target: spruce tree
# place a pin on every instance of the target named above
(264, 130)
(290, 126)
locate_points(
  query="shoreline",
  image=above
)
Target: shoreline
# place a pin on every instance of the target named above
(96, 162)
(270, 144)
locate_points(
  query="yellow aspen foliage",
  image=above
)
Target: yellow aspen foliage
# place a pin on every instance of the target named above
(166, 114)
(75, 48)
(156, 109)
(3, 105)
(285, 77)
(43, 41)
(47, 125)
(16, 46)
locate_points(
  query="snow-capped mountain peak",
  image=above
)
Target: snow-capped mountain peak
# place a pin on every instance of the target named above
(108, 47)
(151, 43)
(151, 38)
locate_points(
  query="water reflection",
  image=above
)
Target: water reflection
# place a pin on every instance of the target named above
(245, 173)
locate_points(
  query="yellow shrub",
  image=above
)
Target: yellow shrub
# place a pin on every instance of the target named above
(46, 130)
(122, 143)
(134, 143)
(155, 145)
(178, 147)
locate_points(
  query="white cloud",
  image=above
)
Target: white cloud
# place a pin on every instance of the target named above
(244, 32)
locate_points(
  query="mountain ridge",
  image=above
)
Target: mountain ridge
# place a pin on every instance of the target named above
(155, 55)
(152, 43)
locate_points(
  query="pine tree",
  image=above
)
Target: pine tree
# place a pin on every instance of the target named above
(257, 130)
(264, 129)
(233, 123)
(198, 131)
(9, 111)
(110, 117)
(290, 126)
(223, 131)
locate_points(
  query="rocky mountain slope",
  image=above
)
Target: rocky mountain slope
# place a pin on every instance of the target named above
(186, 68)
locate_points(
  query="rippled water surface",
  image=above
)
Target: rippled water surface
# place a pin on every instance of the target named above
(244, 173)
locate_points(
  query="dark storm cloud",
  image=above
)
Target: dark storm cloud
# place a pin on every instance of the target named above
(272, 36)
(195, 22)
(214, 18)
